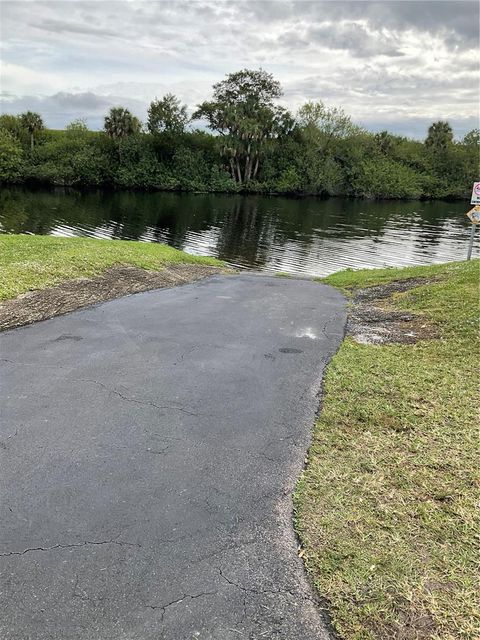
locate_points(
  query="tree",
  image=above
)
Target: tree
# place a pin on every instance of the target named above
(324, 124)
(77, 133)
(12, 124)
(167, 115)
(440, 135)
(472, 138)
(32, 123)
(321, 129)
(10, 156)
(384, 142)
(120, 123)
(243, 113)
(77, 126)
(382, 177)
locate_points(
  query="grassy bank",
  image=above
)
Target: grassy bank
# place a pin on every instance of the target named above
(37, 262)
(387, 508)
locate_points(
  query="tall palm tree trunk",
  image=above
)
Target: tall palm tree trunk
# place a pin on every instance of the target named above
(239, 172)
(256, 166)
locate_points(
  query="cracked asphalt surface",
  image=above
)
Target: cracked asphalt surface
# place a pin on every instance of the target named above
(149, 447)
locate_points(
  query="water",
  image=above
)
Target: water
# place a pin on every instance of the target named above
(307, 236)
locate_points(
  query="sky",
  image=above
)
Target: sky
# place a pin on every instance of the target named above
(396, 65)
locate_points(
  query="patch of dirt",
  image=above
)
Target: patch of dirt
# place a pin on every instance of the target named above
(414, 625)
(371, 321)
(113, 283)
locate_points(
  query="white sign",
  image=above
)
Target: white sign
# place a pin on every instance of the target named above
(475, 193)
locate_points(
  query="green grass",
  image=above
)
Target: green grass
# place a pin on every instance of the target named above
(387, 508)
(350, 278)
(36, 262)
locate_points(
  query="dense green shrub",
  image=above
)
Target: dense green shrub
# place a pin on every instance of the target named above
(70, 158)
(11, 157)
(381, 177)
(320, 153)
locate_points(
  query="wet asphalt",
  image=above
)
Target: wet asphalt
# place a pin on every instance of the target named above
(149, 447)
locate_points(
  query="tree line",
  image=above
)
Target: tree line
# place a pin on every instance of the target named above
(252, 144)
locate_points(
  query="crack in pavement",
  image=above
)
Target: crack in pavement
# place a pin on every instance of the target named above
(185, 353)
(260, 592)
(200, 496)
(232, 546)
(159, 452)
(243, 589)
(70, 546)
(164, 437)
(142, 402)
(264, 455)
(194, 348)
(34, 364)
(323, 330)
(163, 607)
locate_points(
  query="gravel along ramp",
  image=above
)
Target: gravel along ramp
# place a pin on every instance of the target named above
(149, 447)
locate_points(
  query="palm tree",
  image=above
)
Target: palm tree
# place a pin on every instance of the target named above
(33, 123)
(120, 123)
(384, 142)
(440, 135)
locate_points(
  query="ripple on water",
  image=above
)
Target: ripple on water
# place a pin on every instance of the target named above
(308, 237)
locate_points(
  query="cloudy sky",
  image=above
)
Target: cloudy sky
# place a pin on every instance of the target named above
(389, 64)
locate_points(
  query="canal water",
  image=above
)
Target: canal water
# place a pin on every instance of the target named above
(305, 236)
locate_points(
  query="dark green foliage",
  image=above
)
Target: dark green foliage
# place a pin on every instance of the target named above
(243, 113)
(380, 177)
(440, 135)
(472, 139)
(256, 146)
(32, 123)
(167, 115)
(120, 123)
(137, 164)
(70, 157)
(13, 125)
(11, 157)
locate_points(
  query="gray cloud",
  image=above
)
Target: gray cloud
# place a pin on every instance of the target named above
(458, 16)
(416, 127)
(353, 37)
(88, 101)
(61, 108)
(62, 26)
(394, 61)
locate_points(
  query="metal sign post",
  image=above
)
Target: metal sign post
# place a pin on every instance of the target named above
(470, 244)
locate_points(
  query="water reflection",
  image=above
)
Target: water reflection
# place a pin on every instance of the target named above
(306, 236)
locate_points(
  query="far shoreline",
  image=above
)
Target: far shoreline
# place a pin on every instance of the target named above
(110, 188)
